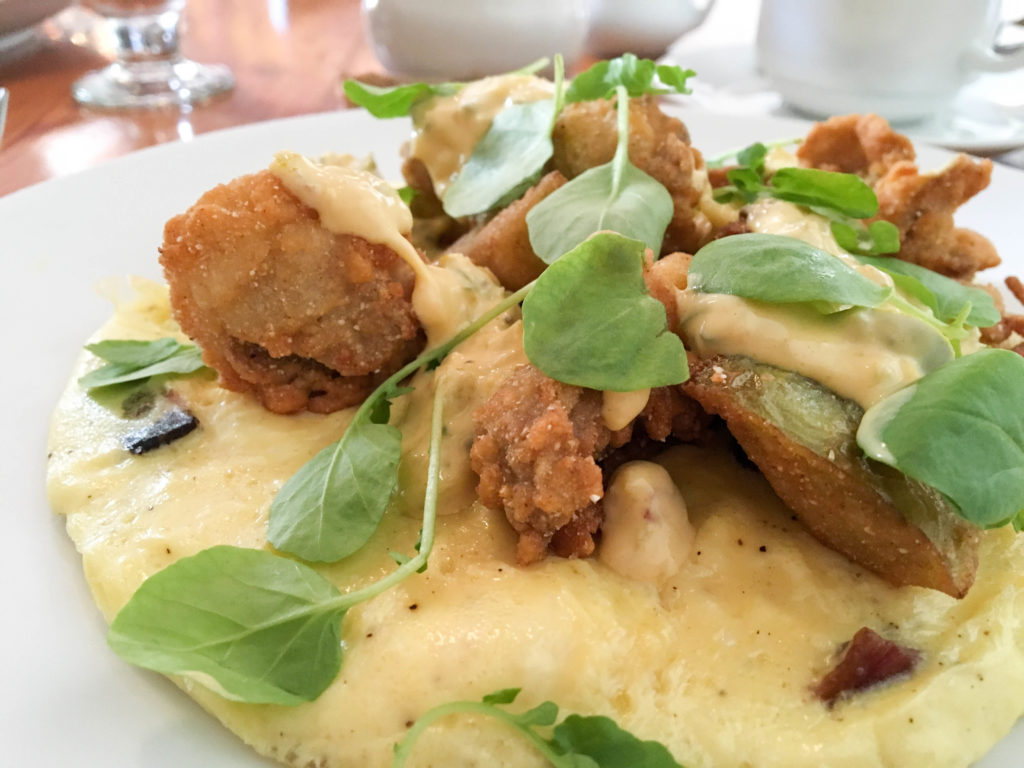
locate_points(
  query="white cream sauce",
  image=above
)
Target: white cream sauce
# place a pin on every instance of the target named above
(350, 201)
(448, 127)
(620, 408)
(861, 354)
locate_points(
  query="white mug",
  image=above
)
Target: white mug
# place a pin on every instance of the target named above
(646, 29)
(903, 59)
(465, 39)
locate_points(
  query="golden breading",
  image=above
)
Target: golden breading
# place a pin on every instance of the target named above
(503, 243)
(280, 306)
(845, 502)
(861, 144)
(922, 207)
(536, 439)
(585, 136)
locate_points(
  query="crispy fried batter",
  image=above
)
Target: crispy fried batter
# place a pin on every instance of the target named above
(664, 279)
(503, 243)
(282, 307)
(861, 144)
(922, 206)
(585, 136)
(536, 451)
(843, 501)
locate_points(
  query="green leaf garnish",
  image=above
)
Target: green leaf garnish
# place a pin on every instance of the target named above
(140, 360)
(342, 494)
(946, 297)
(506, 161)
(780, 270)
(265, 628)
(637, 76)
(960, 429)
(509, 158)
(394, 101)
(262, 628)
(616, 196)
(577, 742)
(331, 507)
(591, 322)
(843, 198)
(845, 193)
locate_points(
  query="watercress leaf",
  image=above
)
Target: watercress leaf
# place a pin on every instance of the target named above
(746, 182)
(945, 296)
(960, 429)
(601, 79)
(380, 402)
(395, 101)
(544, 713)
(639, 207)
(183, 360)
(885, 237)
(511, 153)
(638, 76)
(135, 353)
(504, 696)
(847, 237)
(333, 504)
(589, 320)
(842, 192)
(252, 625)
(408, 194)
(608, 745)
(675, 77)
(753, 157)
(780, 270)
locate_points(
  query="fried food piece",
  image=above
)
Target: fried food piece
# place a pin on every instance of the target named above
(803, 439)
(862, 144)
(922, 206)
(536, 451)
(282, 307)
(503, 243)
(585, 136)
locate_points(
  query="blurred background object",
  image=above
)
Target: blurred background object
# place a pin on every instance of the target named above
(646, 29)
(148, 69)
(3, 111)
(465, 39)
(830, 57)
(19, 25)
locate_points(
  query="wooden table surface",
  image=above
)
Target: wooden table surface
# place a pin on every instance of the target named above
(288, 58)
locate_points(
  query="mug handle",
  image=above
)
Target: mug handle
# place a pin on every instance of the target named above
(998, 57)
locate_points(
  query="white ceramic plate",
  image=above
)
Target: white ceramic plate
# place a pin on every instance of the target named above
(65, 699)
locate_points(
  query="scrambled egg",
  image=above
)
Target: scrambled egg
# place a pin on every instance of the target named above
(716, 662)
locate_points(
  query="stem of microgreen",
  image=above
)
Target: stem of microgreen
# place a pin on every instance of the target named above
(438, 353)
(404, 748)
(622, 147)
(414, 564)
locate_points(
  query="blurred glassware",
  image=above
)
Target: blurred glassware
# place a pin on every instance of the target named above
(465, 39)
(3, 111)
(646, 29)
(149, 70)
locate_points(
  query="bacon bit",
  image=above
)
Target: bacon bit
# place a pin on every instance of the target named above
(868, 659)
